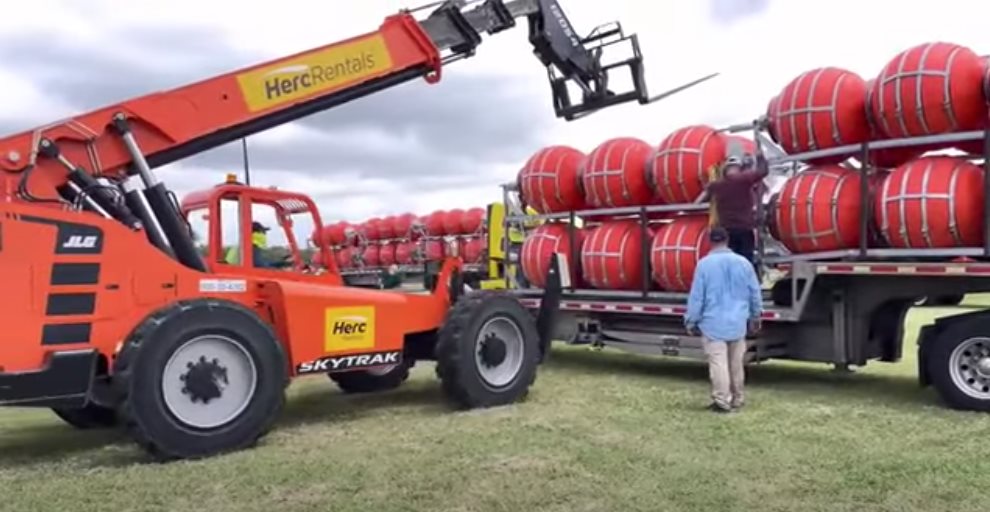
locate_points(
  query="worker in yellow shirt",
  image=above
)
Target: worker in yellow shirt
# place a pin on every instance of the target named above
(259, 242)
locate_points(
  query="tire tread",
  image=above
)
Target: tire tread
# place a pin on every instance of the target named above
(450, 350)
(123, 375)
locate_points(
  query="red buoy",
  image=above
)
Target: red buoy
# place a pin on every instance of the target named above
(474, 250)
(317, 237)
(885, 158)
(820, 109)
(611, 256)
(336, 234)
(402, 225)
(680, 169)
(818, 210)
(404, 253)
(372, 228)
(433, 223)
(543, 242)
(676, 249)
(386, 227)
(929, 89)
(370, 255)
(933, 201)
(345, 258)
(614, 174)
(550, 181)
(986, 77)
(976, 146)
(473, 221)
(386, 254)
(453, 221)
(431, 250)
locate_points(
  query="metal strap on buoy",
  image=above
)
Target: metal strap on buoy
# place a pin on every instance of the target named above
(605, 170)
(536, 171)
(676, 144)
(533, 248)
(918, 75)
(923, 196)
(791, 194)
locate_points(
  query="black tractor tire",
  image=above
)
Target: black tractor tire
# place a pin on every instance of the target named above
(139, 372)
(371, 381)
(88, 417)
(956, 379)
(466, 333)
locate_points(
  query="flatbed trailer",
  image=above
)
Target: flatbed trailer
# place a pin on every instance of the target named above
(371, 277)
(844, 308)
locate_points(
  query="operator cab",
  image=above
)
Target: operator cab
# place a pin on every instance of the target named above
(239, 227)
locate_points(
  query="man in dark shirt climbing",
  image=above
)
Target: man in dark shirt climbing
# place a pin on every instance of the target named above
(733, 195)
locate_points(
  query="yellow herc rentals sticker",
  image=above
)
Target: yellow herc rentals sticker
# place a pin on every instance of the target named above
(349, 328)
(319, 71)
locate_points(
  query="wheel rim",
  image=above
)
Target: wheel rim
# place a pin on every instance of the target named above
(969, 367)
(499, 351)
(209, 381)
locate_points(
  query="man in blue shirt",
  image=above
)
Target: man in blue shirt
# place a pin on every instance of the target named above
(724, 304)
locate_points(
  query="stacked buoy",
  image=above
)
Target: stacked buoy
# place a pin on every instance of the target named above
(407, 239)
(919, 200)
(916, 199)
(609, 251)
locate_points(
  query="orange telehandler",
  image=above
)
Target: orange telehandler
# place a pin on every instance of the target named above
(111, 316)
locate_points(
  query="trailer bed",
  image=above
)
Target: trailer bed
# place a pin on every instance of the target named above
(675, 304)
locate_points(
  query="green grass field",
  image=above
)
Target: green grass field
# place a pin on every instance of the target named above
(601, 431)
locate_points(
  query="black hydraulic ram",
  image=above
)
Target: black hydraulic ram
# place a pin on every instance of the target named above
(81, 188)
(163, 210)
(138, 203)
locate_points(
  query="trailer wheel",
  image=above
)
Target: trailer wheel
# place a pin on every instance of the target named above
(89, 416)
(200, 378)
(373, 379)
(487, 351)
(959, 367)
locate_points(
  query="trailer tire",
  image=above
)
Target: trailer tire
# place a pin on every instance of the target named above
(88, 417)
(958, 366)
(373, 380)
(487, 351)
(166, 389)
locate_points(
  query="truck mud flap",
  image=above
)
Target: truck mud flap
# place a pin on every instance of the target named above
(546, 316)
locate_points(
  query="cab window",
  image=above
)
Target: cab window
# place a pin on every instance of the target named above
(199, 225)
(230, 232)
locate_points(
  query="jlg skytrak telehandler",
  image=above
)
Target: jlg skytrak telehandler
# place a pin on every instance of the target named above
(109, 313)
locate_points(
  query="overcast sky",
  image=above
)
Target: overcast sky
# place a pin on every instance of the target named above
(419, 147)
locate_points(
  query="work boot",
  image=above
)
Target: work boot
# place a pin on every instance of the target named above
(715, 407)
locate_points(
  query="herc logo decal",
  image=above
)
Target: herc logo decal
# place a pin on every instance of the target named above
(319, 71)
(349, 329)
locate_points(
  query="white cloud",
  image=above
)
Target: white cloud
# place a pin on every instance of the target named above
(756, 56)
